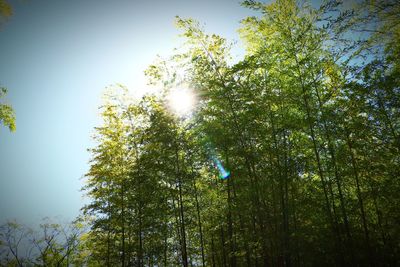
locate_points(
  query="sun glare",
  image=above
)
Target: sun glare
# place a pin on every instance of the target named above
(181, 101)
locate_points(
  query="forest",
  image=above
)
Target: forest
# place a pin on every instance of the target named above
(289, 156)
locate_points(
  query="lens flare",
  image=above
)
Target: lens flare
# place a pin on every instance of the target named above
(223, 174)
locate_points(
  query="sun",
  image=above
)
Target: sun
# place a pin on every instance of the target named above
(181, 101)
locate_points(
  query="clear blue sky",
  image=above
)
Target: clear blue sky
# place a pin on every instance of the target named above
(56, 58)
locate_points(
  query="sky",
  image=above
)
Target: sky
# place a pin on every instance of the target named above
(56, 58)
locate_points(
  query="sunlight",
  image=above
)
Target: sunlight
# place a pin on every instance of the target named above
(181, 101)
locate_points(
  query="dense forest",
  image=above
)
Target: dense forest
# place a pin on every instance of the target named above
(290, 156)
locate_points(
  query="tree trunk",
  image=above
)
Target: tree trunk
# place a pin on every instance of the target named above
(360, 200)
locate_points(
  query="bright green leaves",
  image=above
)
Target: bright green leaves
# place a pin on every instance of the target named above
(7, 114)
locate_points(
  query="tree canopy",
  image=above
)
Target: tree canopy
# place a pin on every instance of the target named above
(307, 123)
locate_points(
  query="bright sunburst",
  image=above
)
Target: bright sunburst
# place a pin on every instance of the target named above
(181, 101)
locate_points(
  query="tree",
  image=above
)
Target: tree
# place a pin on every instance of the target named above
(53, 245)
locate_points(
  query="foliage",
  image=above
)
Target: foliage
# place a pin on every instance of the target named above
(7, 114)
(307, 123)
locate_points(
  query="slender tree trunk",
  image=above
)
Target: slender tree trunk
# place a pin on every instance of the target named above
(212, 251)
(389, 123)
(181, 210)
(165, 250)
(338, 179)
(178, 224)
(129, 249)
(183, 231)
(223, 247)
(241, 223)
(140, 252)
(199, 222)
(232, 257)
(122, 227)
(297, 258)
(360, 200)
(286, 232)
(108, 237)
